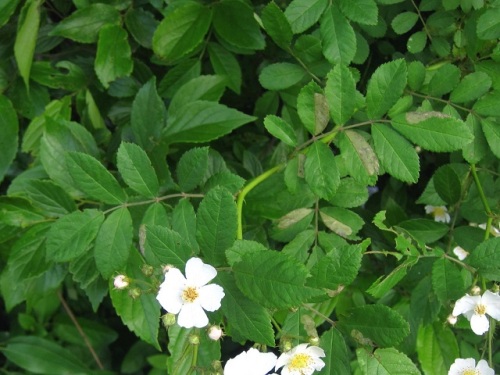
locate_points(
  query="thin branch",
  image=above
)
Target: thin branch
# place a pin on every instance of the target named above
(80, 330)
(422, 20)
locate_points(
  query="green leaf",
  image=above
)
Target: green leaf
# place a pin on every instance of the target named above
(216, 225)
(312, 108)
(7, 8)
(9, 139)
(361, 11)
(181, 31)
(433, 131)
(404, 22)
(302, 14)
(84, 24)
(165, 246)
(272, 279)
(360, 160)
(49, 197)
(242, 34)
(225, 64)
(385, 87)
(444, 80)
(277, 25)
(71, 235)
(113, 59)
(207, 87)
(343, 222)
(184, 223)
(113, 242)
(142, 314)
(396, 154)
(339, 267)
(242, 247)
(192, 168)
(338, 37)
(385, 362)
(471, 87)
(475, 151)
(424, 230)
(42, 356)
(337, 359)
(350, 193)
(383, 284)
(437, 348)
(340, 92)
(448, 185)
(487, 105)
(136, 169)
(416, 75)
(380, 323)
(202, 121)
(246, 319)
(486, 258)
(141, 24)
(91, 177)
(321, 171)
(488, 24)
(148, 115)
(281, 76)
(281, 129)
(18, 212)
(24, 46)
(491, 131)
(447, 281)
(416, 42)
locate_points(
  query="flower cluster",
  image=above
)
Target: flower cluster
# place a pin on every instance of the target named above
(475, 309)
(190, 296)
(300, 360)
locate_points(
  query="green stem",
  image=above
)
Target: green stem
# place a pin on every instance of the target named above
(483, 200)
(243, 193)
(195, 358)
(154, 200)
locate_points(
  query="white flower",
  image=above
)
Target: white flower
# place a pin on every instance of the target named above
(301, 360)
(189, 296)
(475, 309)
(460, 253)
(495, 232)
(440, 213)
(468, 367)
(215, 333)
(121, 282)
(251, 362)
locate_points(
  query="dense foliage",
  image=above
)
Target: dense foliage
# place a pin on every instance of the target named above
(337, 162)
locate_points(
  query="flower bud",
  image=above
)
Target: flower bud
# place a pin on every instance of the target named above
(147, 270)
(460, 253)
(314, 340)
(286, 345)
(134, 293)
(495, 289)
(215, 333)
(194, 339)
(168, 319)
(167, 268)
(121, 282)
(452, 319)
(475, 290)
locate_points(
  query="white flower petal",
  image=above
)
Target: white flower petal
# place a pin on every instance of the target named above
(460, 365)
(460, 253)
(492, 303)
(192, 315)
(429, 209)
(479, 324)
(173, 278)
(210, 297)
(251, 362)
(484, 369)
(170, 299)
(466, 304)
(316, 351)
(199, 273)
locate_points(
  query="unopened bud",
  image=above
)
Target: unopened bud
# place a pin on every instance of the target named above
(314, 340)
(286, 345)
(121, 282)
(496, 288)
(147, 270)
(217, 366)
(452, 319)
(475, 291)
(194, 339)
(215, 333)
(134, 293)
(168, 319)
(167, 268)
(460, 253)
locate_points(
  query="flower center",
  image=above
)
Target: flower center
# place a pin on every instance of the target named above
(190, 294)
(480, 310)
(300, 361)
(439, 211)
(471, 371)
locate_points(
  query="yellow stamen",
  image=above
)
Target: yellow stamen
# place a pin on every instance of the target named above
(471, 372)
(480, 309)
(190, 294)
(300, 361)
